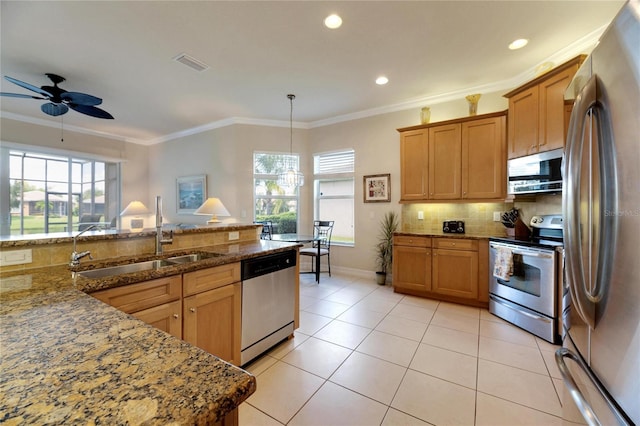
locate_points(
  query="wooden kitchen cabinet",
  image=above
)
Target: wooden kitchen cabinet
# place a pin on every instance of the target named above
(157, 302)
(212, 311)
(414, 161)
(455, 268)
(449, 269)
(412, 263)
(537, 116)
(462, 159)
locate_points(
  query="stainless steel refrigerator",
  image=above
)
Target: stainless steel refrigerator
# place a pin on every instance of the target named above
(600, 357)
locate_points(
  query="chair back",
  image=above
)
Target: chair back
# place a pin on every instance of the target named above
(267, 229)
(323, 229)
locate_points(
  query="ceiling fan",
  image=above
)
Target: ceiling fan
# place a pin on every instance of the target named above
(59, 99)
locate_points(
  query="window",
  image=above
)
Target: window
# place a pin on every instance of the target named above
(334, 193)
(273, 202)
(53, 193)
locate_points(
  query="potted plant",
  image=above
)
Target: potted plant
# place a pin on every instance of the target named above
(384, 248)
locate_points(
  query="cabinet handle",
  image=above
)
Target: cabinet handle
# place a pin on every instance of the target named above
(176, 316)
(192, 310)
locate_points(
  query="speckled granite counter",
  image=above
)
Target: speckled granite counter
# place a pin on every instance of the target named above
(67, 358)
(443, 235)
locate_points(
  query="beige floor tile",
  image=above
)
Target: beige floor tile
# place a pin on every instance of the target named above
(362, 317)
(318, 291)
(327, 308)
(307, 301)
(447, 338)
(282, 390)
(402, 327)
(398, 418)
(260, 364)
(559, 386)
(412, 312)
(335, 405)
(311, 323)
(520, 386)
(377, 303)
(525, 357)
(317, 356)
(546, 346)
(466, 311)
(447, 365)
(348, 295)
(369, 376)
(343, 334)
(492, 411)
(434, 400)
(387, 292)
(395, 349)
(455, 322)
(420, 301)
(550, 361)
(288, 345)
(507, 332)
(250, 416)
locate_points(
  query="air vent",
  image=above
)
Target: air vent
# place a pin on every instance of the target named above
(191, 62)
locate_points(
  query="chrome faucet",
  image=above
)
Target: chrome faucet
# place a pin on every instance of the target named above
(75, 256)
(160, 240)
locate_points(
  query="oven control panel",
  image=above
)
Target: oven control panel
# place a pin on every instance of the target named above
(453, 227)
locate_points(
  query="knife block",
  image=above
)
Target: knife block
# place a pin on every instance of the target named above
(521, 230)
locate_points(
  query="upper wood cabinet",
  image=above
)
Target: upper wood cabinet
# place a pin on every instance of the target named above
(537, 114)
(462, 159)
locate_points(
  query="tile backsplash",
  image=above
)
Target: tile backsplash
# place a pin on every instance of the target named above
(477, 217)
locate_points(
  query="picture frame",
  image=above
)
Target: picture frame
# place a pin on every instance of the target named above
(191, 192)
(377, 188)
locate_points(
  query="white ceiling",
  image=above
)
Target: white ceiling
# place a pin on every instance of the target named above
(260, 51)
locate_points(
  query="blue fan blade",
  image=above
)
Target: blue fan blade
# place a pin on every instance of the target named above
(54, 109)
(29, 86)
(92, 111)
(80, 98)
(19, 95)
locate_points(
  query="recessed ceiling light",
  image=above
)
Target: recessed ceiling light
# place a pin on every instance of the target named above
(333, 21)
(382, 80)
(518, 44)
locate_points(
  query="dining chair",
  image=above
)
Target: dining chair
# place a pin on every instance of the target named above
(267, 229)
(322, 229)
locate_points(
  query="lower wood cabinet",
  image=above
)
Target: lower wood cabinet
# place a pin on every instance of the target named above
(441, 268)
(212, 321)
(166, 317)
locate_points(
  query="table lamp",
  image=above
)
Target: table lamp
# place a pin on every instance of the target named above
(212, 207)
(137, 209)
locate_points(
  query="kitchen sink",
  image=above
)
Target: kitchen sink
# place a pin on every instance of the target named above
(194, 257)
(150, 265)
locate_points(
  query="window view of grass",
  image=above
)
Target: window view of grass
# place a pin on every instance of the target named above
(35, 224)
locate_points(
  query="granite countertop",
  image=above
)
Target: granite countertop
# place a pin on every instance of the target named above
(68, 358)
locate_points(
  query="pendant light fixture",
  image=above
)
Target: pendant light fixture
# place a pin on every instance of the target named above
(291, 177)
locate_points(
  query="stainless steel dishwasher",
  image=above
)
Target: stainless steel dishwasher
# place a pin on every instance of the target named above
(268, 302)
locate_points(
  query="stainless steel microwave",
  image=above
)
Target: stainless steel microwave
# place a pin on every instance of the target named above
(536, 173)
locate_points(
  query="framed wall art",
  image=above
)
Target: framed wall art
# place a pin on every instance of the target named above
(191, 192)
(377, 188)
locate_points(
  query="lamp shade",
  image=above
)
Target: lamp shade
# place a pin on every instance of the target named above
(212, 207)
(136, 208)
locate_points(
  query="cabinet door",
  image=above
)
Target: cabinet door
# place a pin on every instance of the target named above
(455, 273)
(167, 317)
(212, 321)
(136, 297)
(445, 162)
(412, 268)
(413, 165)
(552, 110)
(523, 123)
(484, 159)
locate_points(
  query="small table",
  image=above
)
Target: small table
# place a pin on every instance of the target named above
(301, 238)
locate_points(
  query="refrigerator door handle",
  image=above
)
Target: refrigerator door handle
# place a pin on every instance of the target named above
(571, 202)
(577, 396)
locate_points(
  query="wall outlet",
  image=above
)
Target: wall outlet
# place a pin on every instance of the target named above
(420, 215)
(496, 216)
(15, 257)
(234, 235)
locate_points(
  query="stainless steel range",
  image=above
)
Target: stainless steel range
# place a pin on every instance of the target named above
(525, 284)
